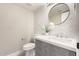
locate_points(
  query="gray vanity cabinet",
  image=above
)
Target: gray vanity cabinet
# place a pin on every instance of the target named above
(46, 49)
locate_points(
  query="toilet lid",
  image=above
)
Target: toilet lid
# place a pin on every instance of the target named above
(29, 46)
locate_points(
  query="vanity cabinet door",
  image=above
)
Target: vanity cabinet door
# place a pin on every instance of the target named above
(41, 49)
(46, 49)
(58, 51)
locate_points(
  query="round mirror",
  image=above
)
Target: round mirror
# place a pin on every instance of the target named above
(59, 13)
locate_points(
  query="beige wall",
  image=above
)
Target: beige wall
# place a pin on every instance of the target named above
(15, 23)
(77, 21)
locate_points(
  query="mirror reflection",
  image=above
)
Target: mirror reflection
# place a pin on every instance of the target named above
(59, 13)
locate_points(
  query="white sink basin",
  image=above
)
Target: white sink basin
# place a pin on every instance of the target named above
(63, 39)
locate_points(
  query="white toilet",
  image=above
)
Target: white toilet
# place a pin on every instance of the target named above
(29, 49)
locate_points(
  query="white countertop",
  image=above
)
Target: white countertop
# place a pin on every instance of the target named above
(67, 43)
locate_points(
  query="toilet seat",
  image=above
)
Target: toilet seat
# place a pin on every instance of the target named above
(29, 46)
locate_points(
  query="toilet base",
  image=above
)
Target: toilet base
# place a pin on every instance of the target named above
(30, 53)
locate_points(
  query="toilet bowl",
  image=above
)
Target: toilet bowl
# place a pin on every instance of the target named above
(29, 49)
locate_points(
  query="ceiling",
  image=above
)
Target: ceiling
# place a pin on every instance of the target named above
(31, 6)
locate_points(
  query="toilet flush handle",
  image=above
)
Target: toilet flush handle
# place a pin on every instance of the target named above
(22, 39)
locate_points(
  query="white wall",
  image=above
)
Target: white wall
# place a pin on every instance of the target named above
(40, 18)
(68, 28)
(15, 23)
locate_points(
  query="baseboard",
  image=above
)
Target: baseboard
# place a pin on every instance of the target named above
(15, 53)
